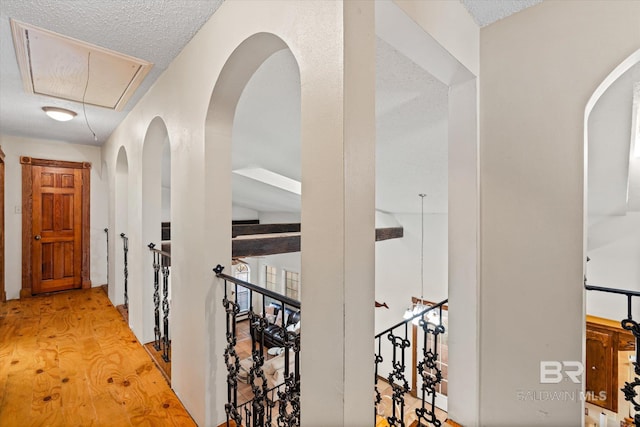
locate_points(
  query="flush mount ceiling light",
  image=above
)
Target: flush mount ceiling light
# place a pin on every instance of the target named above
(59, 114)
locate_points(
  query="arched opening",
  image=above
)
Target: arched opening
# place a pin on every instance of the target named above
(149, 291)
(266, 174)
(612, 231)
(242, 130)
(121, 210)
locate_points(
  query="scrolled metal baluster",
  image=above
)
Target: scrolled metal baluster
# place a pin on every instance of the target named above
(157, 343)
(106, 232)
(289, 407)
(378, 360)
(166, 343)
(260, 400)
(396, 377)
(629, 389)
(125, 247)
(231, 360)
(429, 372)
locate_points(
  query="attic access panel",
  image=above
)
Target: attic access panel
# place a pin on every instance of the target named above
(58, 66)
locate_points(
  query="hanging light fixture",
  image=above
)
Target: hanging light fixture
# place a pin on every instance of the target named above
(419, 306)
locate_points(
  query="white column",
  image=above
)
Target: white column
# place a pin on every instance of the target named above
(463, 373)
(338, 227)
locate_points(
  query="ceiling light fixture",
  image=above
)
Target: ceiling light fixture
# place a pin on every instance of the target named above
(59, 114)
(419, 306)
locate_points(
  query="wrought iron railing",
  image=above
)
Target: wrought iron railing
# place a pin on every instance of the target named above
(161, 263)
(629, 389)
(125, 245)
(271, 404)
(106, 232)
(428, 369)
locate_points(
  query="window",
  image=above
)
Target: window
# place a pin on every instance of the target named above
(292, 284)
(241, 271)
(270, 278)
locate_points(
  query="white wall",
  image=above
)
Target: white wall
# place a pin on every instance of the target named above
(279, 217)
(535, 82)
(614, 250)
(166, 205)
(14, 147)
(242, 213)
(398, 267)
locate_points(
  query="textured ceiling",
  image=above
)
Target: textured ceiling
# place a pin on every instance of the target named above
(411, 105)
(152, 30)
(486, 12)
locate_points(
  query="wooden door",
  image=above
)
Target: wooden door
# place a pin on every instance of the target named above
(56, 229)
(55, 225)
(601, 369)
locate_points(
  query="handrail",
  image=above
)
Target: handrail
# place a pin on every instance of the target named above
(415, 316)
(612, 290)
(152, 246)
(271, 294)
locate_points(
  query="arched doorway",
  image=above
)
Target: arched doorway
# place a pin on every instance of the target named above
(220, 139)
(156, 156)
(121, 210)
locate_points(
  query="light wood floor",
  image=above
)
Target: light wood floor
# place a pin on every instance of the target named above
(69, 359)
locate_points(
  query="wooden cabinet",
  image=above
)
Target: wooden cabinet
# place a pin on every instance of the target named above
(604, 339)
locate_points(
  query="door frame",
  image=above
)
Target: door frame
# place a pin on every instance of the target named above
(27, 216)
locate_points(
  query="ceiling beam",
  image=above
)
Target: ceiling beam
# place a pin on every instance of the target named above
(271, 245)
(248, 229)
(261, 246)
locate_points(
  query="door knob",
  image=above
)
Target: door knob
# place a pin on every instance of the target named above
(37, 237)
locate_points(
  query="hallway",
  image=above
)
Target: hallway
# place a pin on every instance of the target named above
(70, 359)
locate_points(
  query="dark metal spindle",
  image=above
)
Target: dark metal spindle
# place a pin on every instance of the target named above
(106, 231)
(157, 343)
(166, 343)
(125, 244)
(259, 410)
(428, 368)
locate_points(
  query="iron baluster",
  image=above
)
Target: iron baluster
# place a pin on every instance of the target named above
(259, 411)
(231, 359)
(428, 368)
(429, 371)
(125, 244)
(396, 377)
(166, 342)
(377, 360)
(289, 408)
(157, 342)
(106, 232)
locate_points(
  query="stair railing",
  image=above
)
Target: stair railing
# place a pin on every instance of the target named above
(629, 389)
(161, 264)
(430, 323)
(259, 411)
(125, 245)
